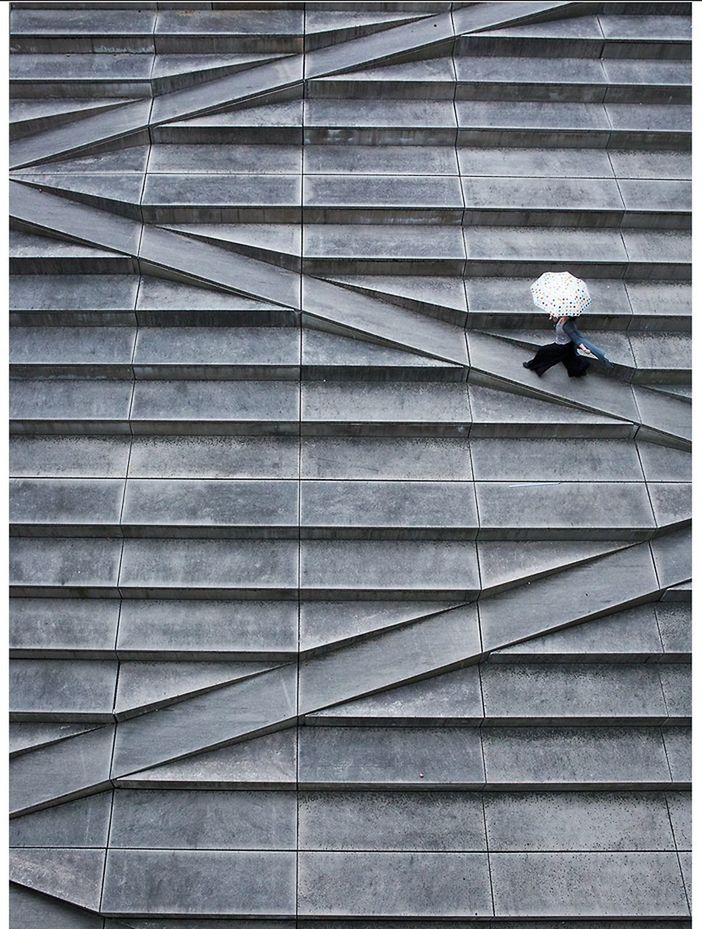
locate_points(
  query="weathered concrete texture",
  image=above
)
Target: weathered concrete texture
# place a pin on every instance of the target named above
(206, 628)
(588, 884)
(80, 823)
(391, 821)
(267, 761)
(390, 756)
(589, 821)
(187, 883)
(450, 884)
(63, 628)
(204, 819)
(61, 770)
(323, 609)
(31, 910)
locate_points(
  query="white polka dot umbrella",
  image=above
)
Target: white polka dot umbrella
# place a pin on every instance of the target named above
(560, 292)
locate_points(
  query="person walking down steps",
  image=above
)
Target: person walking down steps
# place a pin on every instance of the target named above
(564, 297)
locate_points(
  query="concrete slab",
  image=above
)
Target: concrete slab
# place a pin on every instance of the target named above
(224, 567)
(71, 874)
(416, 570)
(390, 756)
(400, 821)
(385, 458)
(80, 823)
(69, 456)
(61, 771)
(578, 821)
(83, 567)
(421, 647)
(526, 693)
(215, 883)
(268, 761)
(207, 628)
(70, 691)
(389, 509)
(595, 884)
(448, 884)
(63, 628)
(586, 756)
(215, 508)
(204, 819)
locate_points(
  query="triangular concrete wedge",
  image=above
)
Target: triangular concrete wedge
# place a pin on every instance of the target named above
(334, 26)
(160, 290)
(479, 17)
(266, 761)
(177, 72)
(596, 588)
(71, 874)
(61, 771)
(105, 159)
(76, 222)
(29, 909)
(276, 243)
(148, 685)
(672, 504)
(440, 297)
(452, 698)
(83, 135)
(672, 554)
(679, 593)
(276, 75)
(396, 656)
(255, 705)
(630, 634)
(115, 193)
(511, 563)
(664, 418)
(393, 324)
(206, 263)
(498, 411)
(82, 823)
(24, 737)
(329, 354)
(325, 624)
(30, 116)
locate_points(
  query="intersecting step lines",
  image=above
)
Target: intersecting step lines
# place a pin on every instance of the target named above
(277, 75)
(425, 646)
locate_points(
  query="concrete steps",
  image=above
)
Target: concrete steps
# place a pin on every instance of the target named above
(292, 529)
(253, 509)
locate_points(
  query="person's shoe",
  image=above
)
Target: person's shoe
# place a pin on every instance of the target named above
(586, 353)
(527, 365)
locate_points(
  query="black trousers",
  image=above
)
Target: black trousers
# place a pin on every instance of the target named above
(549, 355)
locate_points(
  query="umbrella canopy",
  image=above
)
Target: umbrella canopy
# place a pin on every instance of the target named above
(560, 293)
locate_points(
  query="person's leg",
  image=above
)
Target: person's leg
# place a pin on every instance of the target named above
(546, 357)
(575, 365)
(596, 351)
